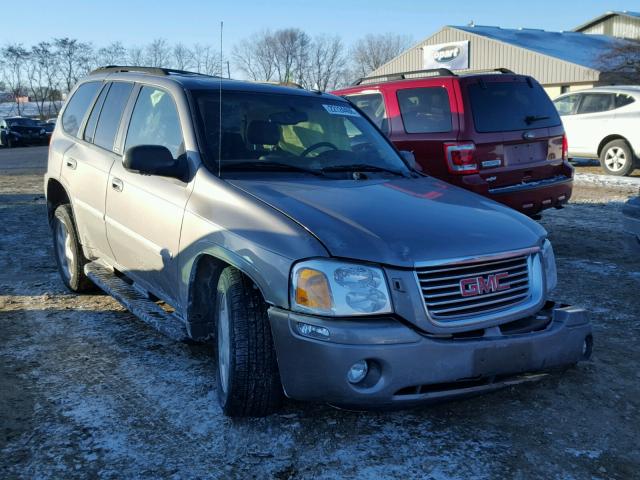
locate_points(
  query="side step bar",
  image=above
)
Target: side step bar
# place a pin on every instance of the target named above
(136, 303)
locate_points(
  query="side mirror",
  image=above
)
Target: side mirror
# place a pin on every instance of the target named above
(153, 160)
(409, 158)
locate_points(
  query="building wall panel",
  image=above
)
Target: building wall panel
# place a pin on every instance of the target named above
(486, 53)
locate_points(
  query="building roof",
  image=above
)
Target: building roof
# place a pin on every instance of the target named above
(573, 47)
(604, 16)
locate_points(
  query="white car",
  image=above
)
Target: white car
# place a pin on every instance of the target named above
(604, 123)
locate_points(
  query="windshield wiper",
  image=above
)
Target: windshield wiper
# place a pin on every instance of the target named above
(361, 168)
(272, 166)
(534, 118)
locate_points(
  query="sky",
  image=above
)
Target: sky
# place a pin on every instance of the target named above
(135, 22)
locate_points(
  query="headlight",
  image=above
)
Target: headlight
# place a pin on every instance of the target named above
(549, 261)
(334, 288)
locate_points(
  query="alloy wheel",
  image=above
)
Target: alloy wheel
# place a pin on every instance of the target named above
(224, 353)
(64, 249)
(615, 159)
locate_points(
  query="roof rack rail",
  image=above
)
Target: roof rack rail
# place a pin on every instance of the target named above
(282, 84)
(150, 70)
(433, 72)
(489, 70)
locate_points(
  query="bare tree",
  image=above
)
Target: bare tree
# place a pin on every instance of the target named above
(42, 67)
(374, 50)
(206, 59)
(254, 57)
(135, 56)
(75, 59)
(326, 63)
(158, 53)
(291, 53)
(622, 62)
(15, 58)
(112, 54)
(182, 56)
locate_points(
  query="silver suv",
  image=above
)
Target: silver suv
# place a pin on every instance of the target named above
(280, 224)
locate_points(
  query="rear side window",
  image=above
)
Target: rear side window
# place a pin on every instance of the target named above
(155, 121)
(507, 106)
(567, 105)
(90, 129)
(623, 100)
(425, 110)
(111, 114)
(372, 104)
(77, 107)
(596, 102)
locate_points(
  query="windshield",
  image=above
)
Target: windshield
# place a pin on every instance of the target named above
(508, 106)
(21, 122)
(315, 135)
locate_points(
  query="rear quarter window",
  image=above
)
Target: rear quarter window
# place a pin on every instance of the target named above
(425, 110)
(77, 107)
(499, 106)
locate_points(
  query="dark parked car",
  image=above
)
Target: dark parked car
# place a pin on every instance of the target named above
(22, 131)
(496, 134)
(49, 127)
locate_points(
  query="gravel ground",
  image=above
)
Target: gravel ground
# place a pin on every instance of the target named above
(87, 390)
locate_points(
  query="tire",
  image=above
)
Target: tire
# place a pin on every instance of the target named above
(248, 383)
(10, 143)
(68, 251)
(616, 158)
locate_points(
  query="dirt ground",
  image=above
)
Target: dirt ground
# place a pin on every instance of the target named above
(87, 390)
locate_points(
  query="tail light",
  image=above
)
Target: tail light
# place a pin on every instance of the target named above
(565, 148)
(460, 158)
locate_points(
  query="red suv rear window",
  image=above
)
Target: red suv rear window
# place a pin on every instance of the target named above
(425, 110)
(508, 106)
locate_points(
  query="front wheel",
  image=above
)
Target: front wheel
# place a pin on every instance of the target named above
(616, 158)
(248, 383)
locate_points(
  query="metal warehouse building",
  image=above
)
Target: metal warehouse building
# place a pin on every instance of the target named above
(616, 24)
(560, 61)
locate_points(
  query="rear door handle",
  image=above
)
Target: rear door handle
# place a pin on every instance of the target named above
(71, 163)
(116, 184)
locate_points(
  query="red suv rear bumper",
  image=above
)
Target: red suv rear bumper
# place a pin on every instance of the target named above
(527, 197)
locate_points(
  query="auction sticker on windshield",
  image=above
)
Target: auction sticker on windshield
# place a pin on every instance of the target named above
(341, 110)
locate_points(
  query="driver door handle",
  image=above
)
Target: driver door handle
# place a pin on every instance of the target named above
(116, 184)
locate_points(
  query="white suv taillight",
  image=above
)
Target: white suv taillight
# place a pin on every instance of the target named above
(565, 147)
(460, 157)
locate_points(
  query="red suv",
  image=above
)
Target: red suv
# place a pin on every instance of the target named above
(496, 134)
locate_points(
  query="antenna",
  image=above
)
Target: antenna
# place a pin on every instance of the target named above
(220, 108)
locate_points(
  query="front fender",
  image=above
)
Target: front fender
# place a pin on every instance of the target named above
(232, 226)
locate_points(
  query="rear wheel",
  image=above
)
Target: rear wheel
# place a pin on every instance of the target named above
(616, 158)
(68, 251)
(248, 383)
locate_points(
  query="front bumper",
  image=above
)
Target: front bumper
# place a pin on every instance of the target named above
(407, 367)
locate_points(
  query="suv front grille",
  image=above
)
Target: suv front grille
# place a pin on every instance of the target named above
(488, 286)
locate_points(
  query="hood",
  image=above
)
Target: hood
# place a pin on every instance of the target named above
(396, 222)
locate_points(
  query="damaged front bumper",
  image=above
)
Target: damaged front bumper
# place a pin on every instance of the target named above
(409, 367)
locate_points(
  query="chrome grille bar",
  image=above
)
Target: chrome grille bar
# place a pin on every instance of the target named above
(443, 287)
